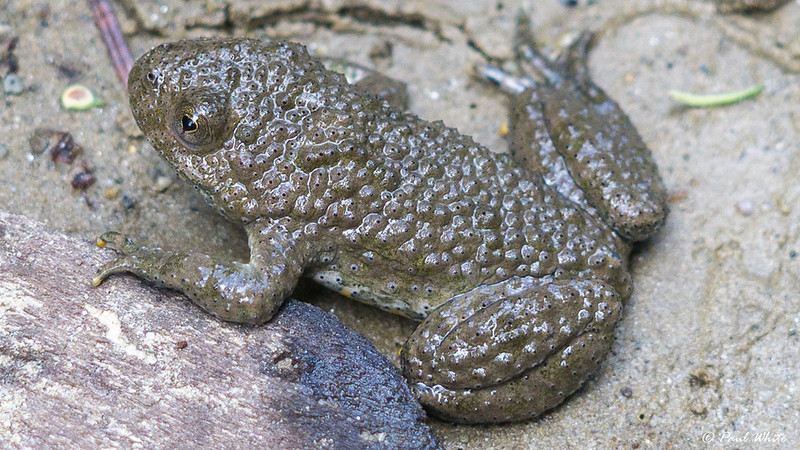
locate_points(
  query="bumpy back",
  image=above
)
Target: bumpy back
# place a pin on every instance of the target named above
(266, 132)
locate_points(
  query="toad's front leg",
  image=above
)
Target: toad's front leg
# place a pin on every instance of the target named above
(511, 350)
(238, 292)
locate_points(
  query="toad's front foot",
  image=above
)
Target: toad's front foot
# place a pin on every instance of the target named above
(234, 291)
(142, 261)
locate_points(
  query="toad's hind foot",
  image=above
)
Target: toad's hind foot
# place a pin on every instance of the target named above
(511, 350)
(525, 397)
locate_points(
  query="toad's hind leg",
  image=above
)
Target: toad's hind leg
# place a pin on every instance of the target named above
(566, 128)
(601, 148)
(511, 350)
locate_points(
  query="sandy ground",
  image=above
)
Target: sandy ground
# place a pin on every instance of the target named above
(707, 350)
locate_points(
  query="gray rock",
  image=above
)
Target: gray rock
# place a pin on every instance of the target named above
(127, 365)
(12, 84)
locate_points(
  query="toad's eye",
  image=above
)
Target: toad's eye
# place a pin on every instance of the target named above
(200, 120)
(188, 124)
(193, 129)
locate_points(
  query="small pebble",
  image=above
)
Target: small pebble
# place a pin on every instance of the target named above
(162, 183)
(503, 129)
(127, 202)
(112, 192)
(82, 180)
(626, 392)
(4, 152)
(59, 144)
(766, 395)
(783, 206)
(574, 3)
(381, 51)
(745, 207)
(12, 84)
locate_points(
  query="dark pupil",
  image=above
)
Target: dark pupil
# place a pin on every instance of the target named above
(188, 124)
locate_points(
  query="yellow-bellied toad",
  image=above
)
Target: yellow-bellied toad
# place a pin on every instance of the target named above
(515, 263)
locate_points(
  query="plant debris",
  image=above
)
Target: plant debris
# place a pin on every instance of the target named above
(8, 58)
(59, 144)
(118, 50)
(712, 100)
(78, 97)
(83, 179)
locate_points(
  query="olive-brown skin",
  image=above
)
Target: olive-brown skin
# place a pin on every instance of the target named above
(516, 268)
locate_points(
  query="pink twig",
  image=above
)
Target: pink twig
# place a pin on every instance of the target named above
(112, 36)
